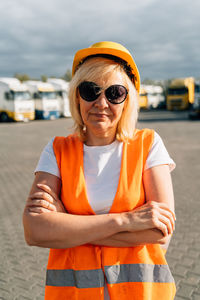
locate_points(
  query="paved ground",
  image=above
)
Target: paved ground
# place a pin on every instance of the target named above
(22, 268)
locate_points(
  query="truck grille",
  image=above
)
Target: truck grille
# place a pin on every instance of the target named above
(176, 102)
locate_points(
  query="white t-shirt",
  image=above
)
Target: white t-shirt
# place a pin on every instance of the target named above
(102, 166)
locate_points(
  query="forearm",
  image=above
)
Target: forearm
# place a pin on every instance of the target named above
(132, 239)
(57, 229)
(62, 230)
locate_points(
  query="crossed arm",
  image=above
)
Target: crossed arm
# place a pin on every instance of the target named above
(47, 224)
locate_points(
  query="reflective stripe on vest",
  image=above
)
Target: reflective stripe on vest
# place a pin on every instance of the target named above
(81, 279)
(114, 274)
(138, 273)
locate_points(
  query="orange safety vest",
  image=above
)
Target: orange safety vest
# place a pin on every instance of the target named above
(79, 273)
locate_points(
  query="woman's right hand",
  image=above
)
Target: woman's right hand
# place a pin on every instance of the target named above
(151, 215)
(44, 200)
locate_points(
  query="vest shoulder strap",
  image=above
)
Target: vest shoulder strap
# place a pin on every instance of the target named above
(142, 142)
(67, 149)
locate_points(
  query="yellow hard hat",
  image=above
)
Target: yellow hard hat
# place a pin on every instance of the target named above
(108, 48)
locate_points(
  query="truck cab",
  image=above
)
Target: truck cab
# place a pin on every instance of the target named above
(47, 105)
(16, 102)
(180, 93)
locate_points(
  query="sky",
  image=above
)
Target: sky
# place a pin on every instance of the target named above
(40, 37)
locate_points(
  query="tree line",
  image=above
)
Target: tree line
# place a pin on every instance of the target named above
(25, 77)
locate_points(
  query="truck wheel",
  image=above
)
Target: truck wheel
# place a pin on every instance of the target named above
(4, 117)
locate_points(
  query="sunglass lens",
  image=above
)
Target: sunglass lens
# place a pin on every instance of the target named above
(116, 93)
(89, 91)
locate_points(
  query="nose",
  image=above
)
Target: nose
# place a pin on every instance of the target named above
(101, 101)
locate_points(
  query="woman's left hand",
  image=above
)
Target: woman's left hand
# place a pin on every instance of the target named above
(44, 200)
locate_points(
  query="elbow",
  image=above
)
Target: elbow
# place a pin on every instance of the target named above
(30, 231)
(29, 240)
(160, 238)
(165, 240)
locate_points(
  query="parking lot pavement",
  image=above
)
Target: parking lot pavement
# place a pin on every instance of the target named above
(22, 268)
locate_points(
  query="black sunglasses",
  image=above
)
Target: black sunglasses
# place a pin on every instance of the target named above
(90, 91)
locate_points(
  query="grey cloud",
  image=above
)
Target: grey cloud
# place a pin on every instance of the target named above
(41, 37)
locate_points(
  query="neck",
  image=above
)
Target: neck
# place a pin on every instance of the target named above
(99, 140)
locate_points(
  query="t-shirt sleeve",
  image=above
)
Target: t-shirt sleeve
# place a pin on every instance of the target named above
(158, 155)
(47, 162)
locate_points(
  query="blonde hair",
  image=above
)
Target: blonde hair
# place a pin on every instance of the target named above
(91, 70)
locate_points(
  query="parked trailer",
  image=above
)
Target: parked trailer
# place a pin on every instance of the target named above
(61, 87)
(47, 105)
(16, 102)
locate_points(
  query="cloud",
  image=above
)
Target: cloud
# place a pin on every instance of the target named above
(41, 37)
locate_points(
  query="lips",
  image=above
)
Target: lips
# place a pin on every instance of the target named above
(100, 115)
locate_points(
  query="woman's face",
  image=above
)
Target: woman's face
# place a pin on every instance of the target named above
(100, 116)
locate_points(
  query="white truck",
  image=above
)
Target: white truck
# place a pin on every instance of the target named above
(47, 105)
(155, 96)
(16, 102)
(61, 87)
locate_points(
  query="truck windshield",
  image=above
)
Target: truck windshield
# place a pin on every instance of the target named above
(177, 91)
(47, 95)
(197, 88)
(22, 95)
(17, 95)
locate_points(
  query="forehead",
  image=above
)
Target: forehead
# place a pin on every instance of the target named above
(110, 79)
(105, 79)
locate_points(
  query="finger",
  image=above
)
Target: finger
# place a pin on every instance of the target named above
(169, 210)
(163, 228)
(42, 203)
(161, 221)
(169, 215)
(162, 205)
(167, 224)
(47, 189)
(38, 210)
(42, 195)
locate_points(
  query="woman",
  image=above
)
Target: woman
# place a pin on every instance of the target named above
(102, 198)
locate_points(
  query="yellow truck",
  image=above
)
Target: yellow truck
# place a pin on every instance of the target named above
(180, 93)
